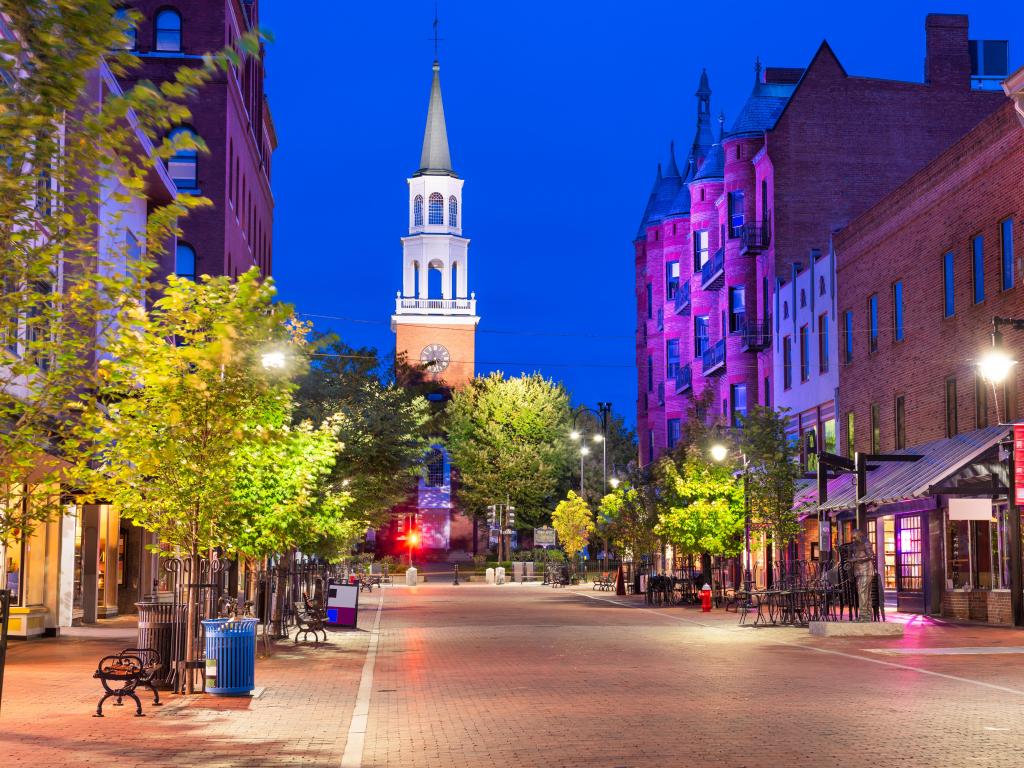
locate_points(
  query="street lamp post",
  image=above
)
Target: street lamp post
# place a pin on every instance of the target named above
(720, 453)
(600, 416)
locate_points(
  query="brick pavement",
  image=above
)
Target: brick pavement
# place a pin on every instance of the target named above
(529, 676)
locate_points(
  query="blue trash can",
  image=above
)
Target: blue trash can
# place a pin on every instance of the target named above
(230, 656)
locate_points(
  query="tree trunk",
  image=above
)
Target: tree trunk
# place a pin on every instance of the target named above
(190, 622)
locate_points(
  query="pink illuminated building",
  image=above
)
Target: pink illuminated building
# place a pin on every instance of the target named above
(810, 150)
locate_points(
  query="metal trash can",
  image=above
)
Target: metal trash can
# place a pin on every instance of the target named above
(157, 631)
(230, 656)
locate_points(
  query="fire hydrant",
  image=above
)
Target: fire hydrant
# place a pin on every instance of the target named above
(705, 599)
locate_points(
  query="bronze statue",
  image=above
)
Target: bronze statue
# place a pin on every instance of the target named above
(862, 562)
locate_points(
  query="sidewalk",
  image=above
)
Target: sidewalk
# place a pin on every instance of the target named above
(300, 715)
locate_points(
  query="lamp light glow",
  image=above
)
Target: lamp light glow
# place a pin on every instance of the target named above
(574, 435)
(274, 360)
(719, 452)
(614, 482)
(584, 450)
(598, 438)
(995, 365)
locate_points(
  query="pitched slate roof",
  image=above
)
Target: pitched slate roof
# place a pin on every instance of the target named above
(762, 108)
(714, 164)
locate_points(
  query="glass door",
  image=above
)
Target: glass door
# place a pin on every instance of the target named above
(909, 563)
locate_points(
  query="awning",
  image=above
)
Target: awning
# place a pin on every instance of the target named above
(890, 482)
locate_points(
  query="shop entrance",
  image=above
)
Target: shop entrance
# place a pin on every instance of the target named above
(909, 561)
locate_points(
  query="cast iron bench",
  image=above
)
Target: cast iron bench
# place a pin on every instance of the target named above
(606, 581)
(120, 674)
(309, 620)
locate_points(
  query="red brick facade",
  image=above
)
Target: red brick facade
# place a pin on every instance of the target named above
(969, 190)
(231, 115)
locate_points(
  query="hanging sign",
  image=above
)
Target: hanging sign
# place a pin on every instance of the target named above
(544, 536)
(1018, 463)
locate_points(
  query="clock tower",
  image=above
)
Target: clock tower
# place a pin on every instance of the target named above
(435, 314)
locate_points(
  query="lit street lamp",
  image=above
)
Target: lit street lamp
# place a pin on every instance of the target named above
(720, 453)
(274, 360)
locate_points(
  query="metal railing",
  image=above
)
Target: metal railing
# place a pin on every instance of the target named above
(713, 270)
(713, 358)
(682, 298)
(756, 334)
(684, 379)
(755, 237)
(412, 306)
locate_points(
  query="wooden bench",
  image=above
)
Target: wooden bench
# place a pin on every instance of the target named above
(606, 581)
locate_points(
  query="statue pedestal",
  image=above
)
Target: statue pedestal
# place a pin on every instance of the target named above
(855, 629)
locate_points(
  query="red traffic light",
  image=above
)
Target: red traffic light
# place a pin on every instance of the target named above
(414, 538)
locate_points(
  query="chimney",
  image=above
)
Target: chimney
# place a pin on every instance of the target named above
(947, 61)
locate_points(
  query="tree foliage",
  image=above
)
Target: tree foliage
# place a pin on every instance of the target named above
(703, 506)
(383, 425)
(73, 164)
(573, 523)
(509, 439)
(628, 515)
(772, 473)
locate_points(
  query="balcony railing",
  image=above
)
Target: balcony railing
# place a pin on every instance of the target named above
(756, 334)
(713, 271)
(684, 380)
(713, 358)
(661, 393)
(411, 306)
(754, 237)
(682, 298)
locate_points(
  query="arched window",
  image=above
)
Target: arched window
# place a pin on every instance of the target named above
(436, 211)
(183, 164)
(168, 30)
(185, 261)
(417, 211)
(453, 212)
(121, 14)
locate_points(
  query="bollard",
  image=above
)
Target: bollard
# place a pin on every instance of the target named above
(456, 582)
(410, 577)
(499, 575)
(489, 575)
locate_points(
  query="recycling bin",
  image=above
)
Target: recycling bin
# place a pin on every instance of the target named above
(230, 656)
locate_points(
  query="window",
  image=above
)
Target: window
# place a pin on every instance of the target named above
(650, 373)
(735, 212)
(980, 401)
(873, 323)
(787, 362)
(809, 449)
(672, 359)
(435, 209)
(674, 432)
(850, 444)
(737, 309)
(650, 301)
(1006, 252)
(949, 302)
(897, 310)
(701, 248)
(453, 212)
(185, 261)
(951, 427)
(821, 285)
(828, 429)
(876, 431)
(435, 469)
(182, 166)
(978, 267)
(701, 334)
(417, 211)
(805, 353)
(738, 395)
(130, 34)
(44, 193)
(671, 280)
(767, 389)
(168, 31)
(848, 336)
(901, 422)
(650, 446)
(823, 343)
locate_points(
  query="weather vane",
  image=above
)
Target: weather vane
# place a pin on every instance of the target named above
(436, 38)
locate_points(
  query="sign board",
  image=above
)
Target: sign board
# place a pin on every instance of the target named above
(342, 605)
(1018, 463)
(544, 536)
(970, 509)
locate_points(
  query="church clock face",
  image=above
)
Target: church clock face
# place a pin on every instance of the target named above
(435, 358)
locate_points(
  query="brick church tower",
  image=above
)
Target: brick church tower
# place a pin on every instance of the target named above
(435, 315)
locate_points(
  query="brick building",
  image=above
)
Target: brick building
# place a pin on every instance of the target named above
(232, 116)
(810, 150)
(921, 274)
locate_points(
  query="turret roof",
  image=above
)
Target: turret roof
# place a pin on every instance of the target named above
(435, 159)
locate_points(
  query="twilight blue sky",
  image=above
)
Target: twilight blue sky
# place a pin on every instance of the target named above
(558, 113)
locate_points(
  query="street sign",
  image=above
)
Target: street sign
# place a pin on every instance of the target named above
(544, 536)
(507, 531)
(1018, 463)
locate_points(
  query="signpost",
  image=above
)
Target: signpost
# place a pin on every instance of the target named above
(544, 536)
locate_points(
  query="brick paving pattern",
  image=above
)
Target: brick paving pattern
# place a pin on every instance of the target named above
(529, 676)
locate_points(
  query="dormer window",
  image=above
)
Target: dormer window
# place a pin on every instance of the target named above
(417, 211)
(168, 31)
(435, 211)
(453, 212)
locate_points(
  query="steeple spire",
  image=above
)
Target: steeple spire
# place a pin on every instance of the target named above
(435, 158)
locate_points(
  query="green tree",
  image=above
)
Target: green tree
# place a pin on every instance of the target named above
(773, 469)
(704, 503)
(186, 396)
(383, 425)
(573, 523)
(509, 439)
(628, 516)
(73, 165)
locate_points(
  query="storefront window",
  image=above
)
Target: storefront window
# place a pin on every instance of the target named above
(958, 561)
(13, 569)
(909, 559)
(972, 554)
(889, 533)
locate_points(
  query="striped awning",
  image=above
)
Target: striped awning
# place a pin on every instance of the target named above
(890, 482)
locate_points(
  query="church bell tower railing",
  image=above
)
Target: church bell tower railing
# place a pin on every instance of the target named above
(411, 306)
